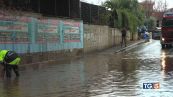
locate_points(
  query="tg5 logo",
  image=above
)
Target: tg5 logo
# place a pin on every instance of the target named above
(151, 86)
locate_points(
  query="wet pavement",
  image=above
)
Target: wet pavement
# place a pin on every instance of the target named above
(103, 74)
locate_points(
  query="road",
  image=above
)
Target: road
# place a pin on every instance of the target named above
(103, 74)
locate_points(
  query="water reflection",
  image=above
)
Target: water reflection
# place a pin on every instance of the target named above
(163, 57)
(166, 62)
(122, 72)
(11, 88)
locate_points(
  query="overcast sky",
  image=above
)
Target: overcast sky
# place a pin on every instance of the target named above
(98, 2)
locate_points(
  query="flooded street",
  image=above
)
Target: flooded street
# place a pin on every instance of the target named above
(103, 74)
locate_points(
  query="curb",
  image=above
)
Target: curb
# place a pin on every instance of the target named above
(129, 46)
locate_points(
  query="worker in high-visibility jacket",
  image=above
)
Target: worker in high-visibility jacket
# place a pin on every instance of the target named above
(10, 61)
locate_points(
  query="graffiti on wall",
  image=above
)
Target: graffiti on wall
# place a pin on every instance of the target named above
(48, 31)
(28, 34)
(14, 30)
(71, 31)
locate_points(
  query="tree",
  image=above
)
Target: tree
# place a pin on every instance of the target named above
(151, 24)
(155, 9)
(128, 12)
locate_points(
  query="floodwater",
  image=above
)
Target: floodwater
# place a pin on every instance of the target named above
(103, 74)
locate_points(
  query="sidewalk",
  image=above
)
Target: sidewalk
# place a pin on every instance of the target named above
(118, 47)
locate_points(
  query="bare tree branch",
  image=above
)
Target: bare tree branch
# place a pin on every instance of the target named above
(160, 6)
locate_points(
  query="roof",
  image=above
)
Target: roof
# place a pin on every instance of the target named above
(170, 10)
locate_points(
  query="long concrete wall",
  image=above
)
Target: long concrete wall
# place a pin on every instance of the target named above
(98, 37)
(94, 36)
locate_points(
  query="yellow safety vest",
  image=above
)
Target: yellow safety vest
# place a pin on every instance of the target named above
(2, 56)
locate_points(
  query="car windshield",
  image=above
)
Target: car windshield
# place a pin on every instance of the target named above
(167, 22)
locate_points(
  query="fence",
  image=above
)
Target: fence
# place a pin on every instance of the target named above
(93, 14)
(29, 35)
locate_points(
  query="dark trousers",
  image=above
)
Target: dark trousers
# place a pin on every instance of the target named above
(123, 41)
(8, 69)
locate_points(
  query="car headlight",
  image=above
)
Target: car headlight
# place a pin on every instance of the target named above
(163, 39)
